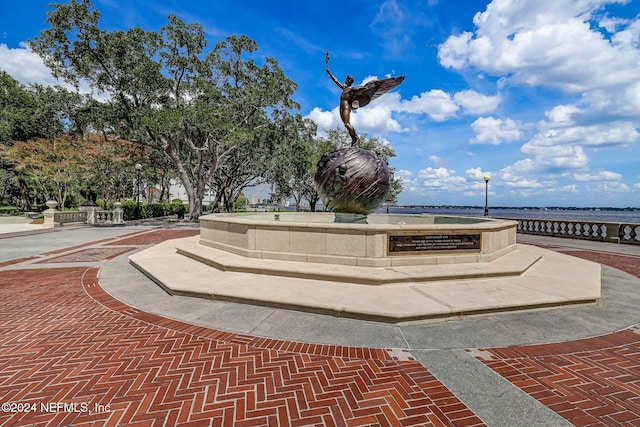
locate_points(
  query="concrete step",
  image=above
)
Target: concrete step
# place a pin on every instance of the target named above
(552, 279)
(512, 264)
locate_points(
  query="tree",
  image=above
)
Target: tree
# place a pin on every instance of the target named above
(318, 147)
(36, 113)
(111, 173)
(53, 165)
(16, 107)
(8, 187)
(164, 93)
(242, 201)
(292, 171)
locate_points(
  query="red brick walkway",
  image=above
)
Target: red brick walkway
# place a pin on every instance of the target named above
(590, 382)
(70, 354)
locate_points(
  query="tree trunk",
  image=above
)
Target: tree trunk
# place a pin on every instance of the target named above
(24, 194)
(195, 200)
(195, 206)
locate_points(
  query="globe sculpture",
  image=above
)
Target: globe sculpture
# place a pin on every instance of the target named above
(353, 180)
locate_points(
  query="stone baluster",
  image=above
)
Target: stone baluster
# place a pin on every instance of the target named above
(118, 214)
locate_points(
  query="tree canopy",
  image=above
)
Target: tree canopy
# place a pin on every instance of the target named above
(166, 93)
(218, 119)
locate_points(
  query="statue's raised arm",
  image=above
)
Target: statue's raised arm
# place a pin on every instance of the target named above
(353, 97)
(335, 80)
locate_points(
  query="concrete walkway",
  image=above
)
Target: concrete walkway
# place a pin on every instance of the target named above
(82, 326)
(14, 224)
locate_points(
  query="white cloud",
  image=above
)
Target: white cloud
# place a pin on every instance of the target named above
(490, 130)
(476, 174)
(25, 66)
(441, 178)
(570, 46)
(562, 115)
(611, 133)
(613, 187)
(324, 119)
(435, 159)
(475, 103)
(600, 176)
(523, 183)
(519, 174)
(546, 43)
(377, 116)
(440, 105)
(570, 188)
(436, 103)
(554, 158)
(409, 183)
(476, 178)
(404, 173)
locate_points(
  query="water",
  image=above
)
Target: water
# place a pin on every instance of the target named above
(603, 215)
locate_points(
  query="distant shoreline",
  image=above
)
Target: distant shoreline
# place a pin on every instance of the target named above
(545, 208)
(613, 215)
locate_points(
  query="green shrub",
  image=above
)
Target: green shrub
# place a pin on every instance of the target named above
(9, 210)
(152, 210)
(178, 209)
(156, 210)
(129, 210)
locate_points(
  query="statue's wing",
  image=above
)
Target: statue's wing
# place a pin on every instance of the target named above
(372, 90)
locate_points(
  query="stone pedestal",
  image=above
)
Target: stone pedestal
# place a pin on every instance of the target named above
(91, 211)
(118, 214)
(49, 215)
(612, 232)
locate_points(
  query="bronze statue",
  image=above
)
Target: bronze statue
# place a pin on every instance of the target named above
(353, 97)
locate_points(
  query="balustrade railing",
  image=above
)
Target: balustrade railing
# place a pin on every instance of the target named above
(104, 217)
(87, 215)
(70, 217)
(629, 233)
(588, 230)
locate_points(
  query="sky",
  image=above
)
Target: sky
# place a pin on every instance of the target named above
(541, 96)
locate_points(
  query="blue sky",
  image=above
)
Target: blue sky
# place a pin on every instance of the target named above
(543, 96)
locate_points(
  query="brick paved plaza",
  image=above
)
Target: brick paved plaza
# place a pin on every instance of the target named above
(71, 353)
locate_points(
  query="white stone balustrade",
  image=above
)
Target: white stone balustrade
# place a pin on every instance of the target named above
(598, 231)
(91, 215)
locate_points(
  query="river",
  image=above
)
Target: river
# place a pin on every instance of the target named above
(589, 215)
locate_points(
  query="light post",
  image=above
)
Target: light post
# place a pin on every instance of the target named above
(486, 195)
(138, 169)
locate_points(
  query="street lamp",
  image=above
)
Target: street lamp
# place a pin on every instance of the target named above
(486, 195)
(138, 169)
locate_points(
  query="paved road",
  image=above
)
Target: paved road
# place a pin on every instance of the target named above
(81, 327)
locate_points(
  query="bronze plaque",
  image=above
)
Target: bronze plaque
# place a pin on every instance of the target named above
(433, 242)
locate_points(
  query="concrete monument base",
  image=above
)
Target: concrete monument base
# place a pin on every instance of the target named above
(395, 268)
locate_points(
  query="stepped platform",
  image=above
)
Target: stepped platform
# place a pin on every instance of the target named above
(527, 277)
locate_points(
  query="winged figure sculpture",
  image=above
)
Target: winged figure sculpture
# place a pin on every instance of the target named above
(354, 97)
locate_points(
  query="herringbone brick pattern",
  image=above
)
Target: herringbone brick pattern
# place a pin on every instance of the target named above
(157, 236)
(590, 382)
(88, 255)
(70, 354)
